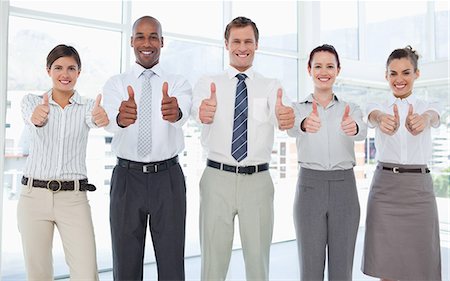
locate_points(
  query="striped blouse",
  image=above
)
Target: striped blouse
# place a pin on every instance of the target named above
(58, 149)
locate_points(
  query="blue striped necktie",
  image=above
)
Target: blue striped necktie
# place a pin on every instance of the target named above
(239, 140)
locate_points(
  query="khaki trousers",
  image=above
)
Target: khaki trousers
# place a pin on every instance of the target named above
(38, 212)
(223, 195)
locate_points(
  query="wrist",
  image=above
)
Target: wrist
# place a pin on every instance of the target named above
(302, 125)
(117, 121)
(180, 114)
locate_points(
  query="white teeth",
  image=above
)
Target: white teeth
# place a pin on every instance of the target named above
(146, 53)
(324, 79)
(242, 56)
(64, 82)
(400, 86)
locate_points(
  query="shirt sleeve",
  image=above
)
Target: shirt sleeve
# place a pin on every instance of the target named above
(113, 95)
(436, 107)
(28, 105)
(88, 116)
(300, 115)
(357, 115)
(369, 109)
(182, 90)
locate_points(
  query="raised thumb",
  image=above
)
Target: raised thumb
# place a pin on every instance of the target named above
(45, 99)
(314, 107)
(396, 112)
(279, 97)
(346, 112)
(213, 92)
(130, 93)
(98, 100)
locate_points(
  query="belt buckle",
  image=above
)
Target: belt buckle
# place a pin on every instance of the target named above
(49, 183)
(395, 170)
(146, 168)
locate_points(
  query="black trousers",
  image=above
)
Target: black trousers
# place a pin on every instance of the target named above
(160, 199)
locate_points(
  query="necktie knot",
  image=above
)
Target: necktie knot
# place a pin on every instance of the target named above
(148, 73)
(241, 76)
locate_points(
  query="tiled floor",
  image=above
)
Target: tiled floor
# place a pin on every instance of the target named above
(283, 264)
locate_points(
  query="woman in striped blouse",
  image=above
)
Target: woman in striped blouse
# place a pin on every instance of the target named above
(55, 181)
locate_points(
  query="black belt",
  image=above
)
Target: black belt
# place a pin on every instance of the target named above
(151, 167)
(57, 185)
(248, 170)
(400, 170)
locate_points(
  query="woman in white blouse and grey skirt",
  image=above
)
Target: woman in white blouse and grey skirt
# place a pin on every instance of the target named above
(55, 180)
(402, 226)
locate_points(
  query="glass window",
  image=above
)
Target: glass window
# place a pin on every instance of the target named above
(442, 29)
(403, 23)
(340, 31)
(281, 68)
(276, 22)
(29, 44)
(184, 17)
(99, 10)
(191, 60)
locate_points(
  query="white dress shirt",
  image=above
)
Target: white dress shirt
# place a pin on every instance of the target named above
(216, 137)
(403, 147)
(58, 149)
(329, 148)
(167, 137)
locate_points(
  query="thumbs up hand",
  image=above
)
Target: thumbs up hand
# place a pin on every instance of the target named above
(99, 115)
(169, 105)
(389, 123)
(311, 124)
(415, 123)
(285, 114)
(40, 113)
(348, 125)
(208, 107)
(127, 110)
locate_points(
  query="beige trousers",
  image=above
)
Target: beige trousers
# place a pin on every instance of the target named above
(223, 195)
(38, 212)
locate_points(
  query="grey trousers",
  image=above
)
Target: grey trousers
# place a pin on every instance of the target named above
(326, 217)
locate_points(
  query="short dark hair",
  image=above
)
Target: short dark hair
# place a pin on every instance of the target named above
(63, 51)
(406, 52)
(241, 22)
(324, 48)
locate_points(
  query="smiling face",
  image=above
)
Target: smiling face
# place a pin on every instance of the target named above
(401, 76)
(323, 71)
(241, 46)
(64, 73)
(147, 42)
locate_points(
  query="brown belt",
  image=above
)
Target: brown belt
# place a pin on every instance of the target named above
(57, 185)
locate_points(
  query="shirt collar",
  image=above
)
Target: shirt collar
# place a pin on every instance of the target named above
(409, 100)
(309, 98)
(138, 69)
(75, 98)
(232, 72)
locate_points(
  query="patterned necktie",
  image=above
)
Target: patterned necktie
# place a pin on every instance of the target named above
(145, 116)
(239, 140)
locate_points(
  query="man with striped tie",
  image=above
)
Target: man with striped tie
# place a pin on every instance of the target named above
(238, 110)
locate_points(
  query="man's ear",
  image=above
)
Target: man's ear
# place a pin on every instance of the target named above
(162, 41)
(226, 44)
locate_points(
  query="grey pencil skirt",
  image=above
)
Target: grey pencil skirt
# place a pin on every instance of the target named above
(402, 226)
